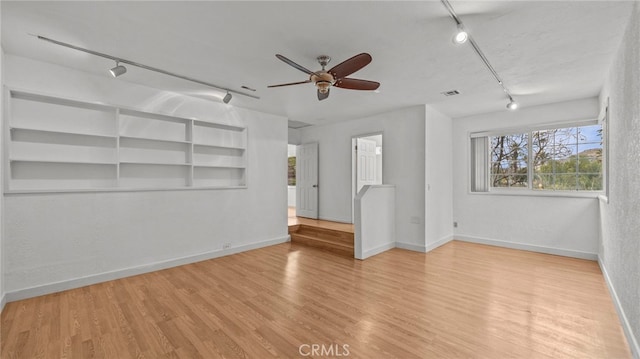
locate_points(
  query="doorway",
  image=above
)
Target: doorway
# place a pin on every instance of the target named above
(291, 180)
(366, 162)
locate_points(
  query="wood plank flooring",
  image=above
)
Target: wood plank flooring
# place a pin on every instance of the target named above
(461, 300)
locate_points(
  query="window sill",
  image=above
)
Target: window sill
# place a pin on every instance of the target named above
(531, 193)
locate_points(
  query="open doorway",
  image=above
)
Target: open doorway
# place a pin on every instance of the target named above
(366, 163)
(291, 180)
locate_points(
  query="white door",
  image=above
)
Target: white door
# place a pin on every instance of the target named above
(365, 163)
(307, 180)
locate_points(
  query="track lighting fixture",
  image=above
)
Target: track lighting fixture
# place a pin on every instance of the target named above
(118, 70)
(461, 36)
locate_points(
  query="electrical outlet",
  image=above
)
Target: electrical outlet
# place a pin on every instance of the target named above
(455, 224)
(226, 246)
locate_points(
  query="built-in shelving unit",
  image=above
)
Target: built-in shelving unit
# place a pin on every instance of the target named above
(56, 144)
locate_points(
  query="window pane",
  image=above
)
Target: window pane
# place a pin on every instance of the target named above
(543, 182)
(499, 181)
(565, 182)
(590, 181)
(590, 134)
(509, 155)
(565, 159)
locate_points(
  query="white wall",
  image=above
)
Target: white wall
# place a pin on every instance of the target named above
(403, 166)
(560, 225)
(439, 178)
(2, 297)
(375, 226)
(620, 248)
(293, 136)
(79, 238)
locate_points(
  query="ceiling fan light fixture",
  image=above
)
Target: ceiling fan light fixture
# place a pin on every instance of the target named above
(461, 36)
(323, 86)
(118, 70)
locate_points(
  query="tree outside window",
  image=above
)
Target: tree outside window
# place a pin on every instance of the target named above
(561, 159)
(292, 172)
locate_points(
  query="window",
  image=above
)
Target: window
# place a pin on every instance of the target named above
(550, 159)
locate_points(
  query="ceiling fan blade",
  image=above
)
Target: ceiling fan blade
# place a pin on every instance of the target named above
(322, 96)
(356, 84)
(350, 66)
(299, 67)
(291, 83)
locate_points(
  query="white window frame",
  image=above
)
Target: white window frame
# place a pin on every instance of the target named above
(528, 191)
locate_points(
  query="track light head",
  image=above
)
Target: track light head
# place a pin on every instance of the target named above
(461, 36)
(512, 105)
(227, 98)
(118, 70)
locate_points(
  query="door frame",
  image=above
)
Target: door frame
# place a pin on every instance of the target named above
(354, 167)
(301, 211)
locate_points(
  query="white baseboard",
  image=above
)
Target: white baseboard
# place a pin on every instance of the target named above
(3, 301)
(438, 243)
(131, 271)
(529, 247)
(626, 327)
(383, 248)
(411, 247)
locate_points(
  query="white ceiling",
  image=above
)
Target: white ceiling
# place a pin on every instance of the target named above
(544, 51)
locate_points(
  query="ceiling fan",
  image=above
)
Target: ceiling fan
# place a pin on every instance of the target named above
(336, 76)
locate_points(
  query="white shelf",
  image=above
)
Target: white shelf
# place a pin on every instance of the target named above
(218, 125)
(66, 145)
(61, 132)
(153, 163)
(138, 138)
(218, 166)
(220, 146)
(35, 160)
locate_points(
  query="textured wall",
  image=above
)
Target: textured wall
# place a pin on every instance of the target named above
(620, 248)
(63, 237)
(402, 165)
(1, 197)
(559, 225)
(438, 177)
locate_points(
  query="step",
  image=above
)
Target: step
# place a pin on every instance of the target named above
(329, 245)
(326, 234)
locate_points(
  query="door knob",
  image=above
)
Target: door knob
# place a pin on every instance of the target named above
(315, 186)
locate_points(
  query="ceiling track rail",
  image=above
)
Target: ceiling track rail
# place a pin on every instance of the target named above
(143, 66)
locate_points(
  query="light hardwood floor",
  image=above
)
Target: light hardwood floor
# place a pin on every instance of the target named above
(461, 300)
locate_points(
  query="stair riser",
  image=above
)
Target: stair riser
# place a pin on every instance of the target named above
(322, 245)
(339, 237)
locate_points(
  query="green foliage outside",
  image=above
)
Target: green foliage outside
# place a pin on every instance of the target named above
(292, 171)
(562, 159)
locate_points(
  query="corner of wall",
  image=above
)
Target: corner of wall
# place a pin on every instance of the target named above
(2, 296)
(624, 320)
(619, 224)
